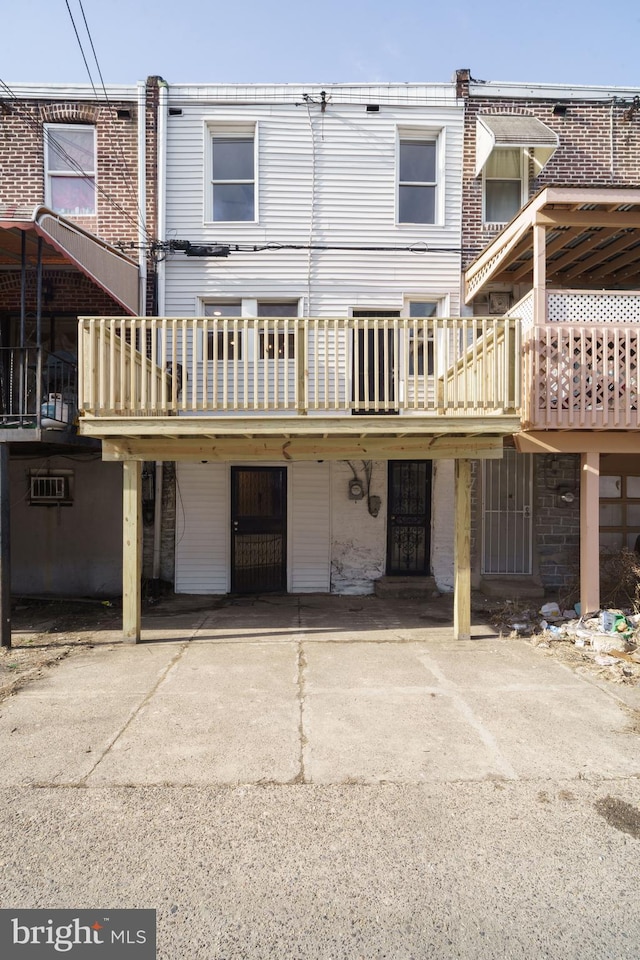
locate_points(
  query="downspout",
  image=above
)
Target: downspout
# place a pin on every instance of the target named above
(142, 196)
(161, 142)
(163, 95)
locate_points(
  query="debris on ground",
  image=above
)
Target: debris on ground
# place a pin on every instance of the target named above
(607, 640)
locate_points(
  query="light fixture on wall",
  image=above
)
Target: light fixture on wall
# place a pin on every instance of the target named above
(566, 494)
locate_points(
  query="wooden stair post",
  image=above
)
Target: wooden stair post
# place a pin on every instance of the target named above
(131, 549)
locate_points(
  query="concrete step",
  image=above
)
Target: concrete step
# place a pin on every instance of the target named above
(512, 587)
(406, 588)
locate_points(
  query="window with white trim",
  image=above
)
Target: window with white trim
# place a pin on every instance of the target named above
(226, 342)
(504, 183)
(274, 345)
(232, 158)
(421, 309)
(270, 345)
(417, 179)
(70, 168)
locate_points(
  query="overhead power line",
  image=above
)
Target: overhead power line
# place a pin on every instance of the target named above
(49, 138)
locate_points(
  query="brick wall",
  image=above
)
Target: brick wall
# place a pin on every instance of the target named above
(67, 292)
(599, 145)
(22, 175)
(557, 524)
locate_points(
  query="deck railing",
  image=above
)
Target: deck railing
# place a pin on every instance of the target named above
(219, 366)
(581, 376)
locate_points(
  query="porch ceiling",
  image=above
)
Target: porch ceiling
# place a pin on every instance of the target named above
(64, 244)
(593, 241)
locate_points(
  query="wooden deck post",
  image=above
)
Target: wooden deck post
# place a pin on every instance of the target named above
(462, 552)
(131, 549)
(589, 532)
(539, 274)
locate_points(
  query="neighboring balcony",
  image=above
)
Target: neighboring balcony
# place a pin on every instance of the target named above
(580, 367)
(340, 370)
(38, 392)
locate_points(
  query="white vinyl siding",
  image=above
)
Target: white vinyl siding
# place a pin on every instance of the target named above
(330, 177)
(202, 528)
(310, 523)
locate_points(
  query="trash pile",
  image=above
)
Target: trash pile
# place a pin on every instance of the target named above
(608, 638)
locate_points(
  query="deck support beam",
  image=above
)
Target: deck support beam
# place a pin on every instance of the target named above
(132, 549)
(589, 532)
(462, 552)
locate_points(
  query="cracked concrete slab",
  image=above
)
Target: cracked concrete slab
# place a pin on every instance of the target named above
(308, 691)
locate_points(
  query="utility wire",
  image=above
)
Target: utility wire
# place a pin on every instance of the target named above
(134, 193)
(75, 30)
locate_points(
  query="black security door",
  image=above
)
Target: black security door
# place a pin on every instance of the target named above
(258, 529)
(409, 518)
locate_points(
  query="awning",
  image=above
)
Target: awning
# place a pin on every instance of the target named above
(509, 130)
(64, 243)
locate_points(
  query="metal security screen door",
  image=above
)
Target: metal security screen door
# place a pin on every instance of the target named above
(507, 493)
(258, 529)
(409, 518)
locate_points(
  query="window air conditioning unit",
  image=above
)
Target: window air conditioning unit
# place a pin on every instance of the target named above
(49, 490)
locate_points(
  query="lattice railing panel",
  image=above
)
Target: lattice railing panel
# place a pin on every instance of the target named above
(573, 306)
(582, 376)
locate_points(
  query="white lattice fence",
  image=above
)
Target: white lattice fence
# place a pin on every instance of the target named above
(573, 306)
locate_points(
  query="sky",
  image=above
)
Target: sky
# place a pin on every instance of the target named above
(581, 42)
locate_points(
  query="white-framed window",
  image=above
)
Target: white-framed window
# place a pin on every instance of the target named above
(70, 168)
(226, 343)
(504, 184)
(232, 163)
(418, 349)
(270, 346)
(418, 164)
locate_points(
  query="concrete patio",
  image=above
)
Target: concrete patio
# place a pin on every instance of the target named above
(313, 690)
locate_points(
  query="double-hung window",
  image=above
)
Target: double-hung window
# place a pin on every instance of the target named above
(233, 179)
(70, 168)
(503, 184)
(417, 179)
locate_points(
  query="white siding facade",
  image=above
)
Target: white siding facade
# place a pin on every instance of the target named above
(326, 236)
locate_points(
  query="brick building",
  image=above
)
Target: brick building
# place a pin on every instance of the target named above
(77, 208)
(549, 234)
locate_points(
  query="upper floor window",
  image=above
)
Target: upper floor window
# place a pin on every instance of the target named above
(70, 168)
(233, 182)
(504, 185)
(417, 180)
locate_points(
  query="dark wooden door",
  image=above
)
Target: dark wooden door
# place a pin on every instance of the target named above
(409, 518)
(258, 529)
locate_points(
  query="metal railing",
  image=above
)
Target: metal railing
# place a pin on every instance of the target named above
(37, 388)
